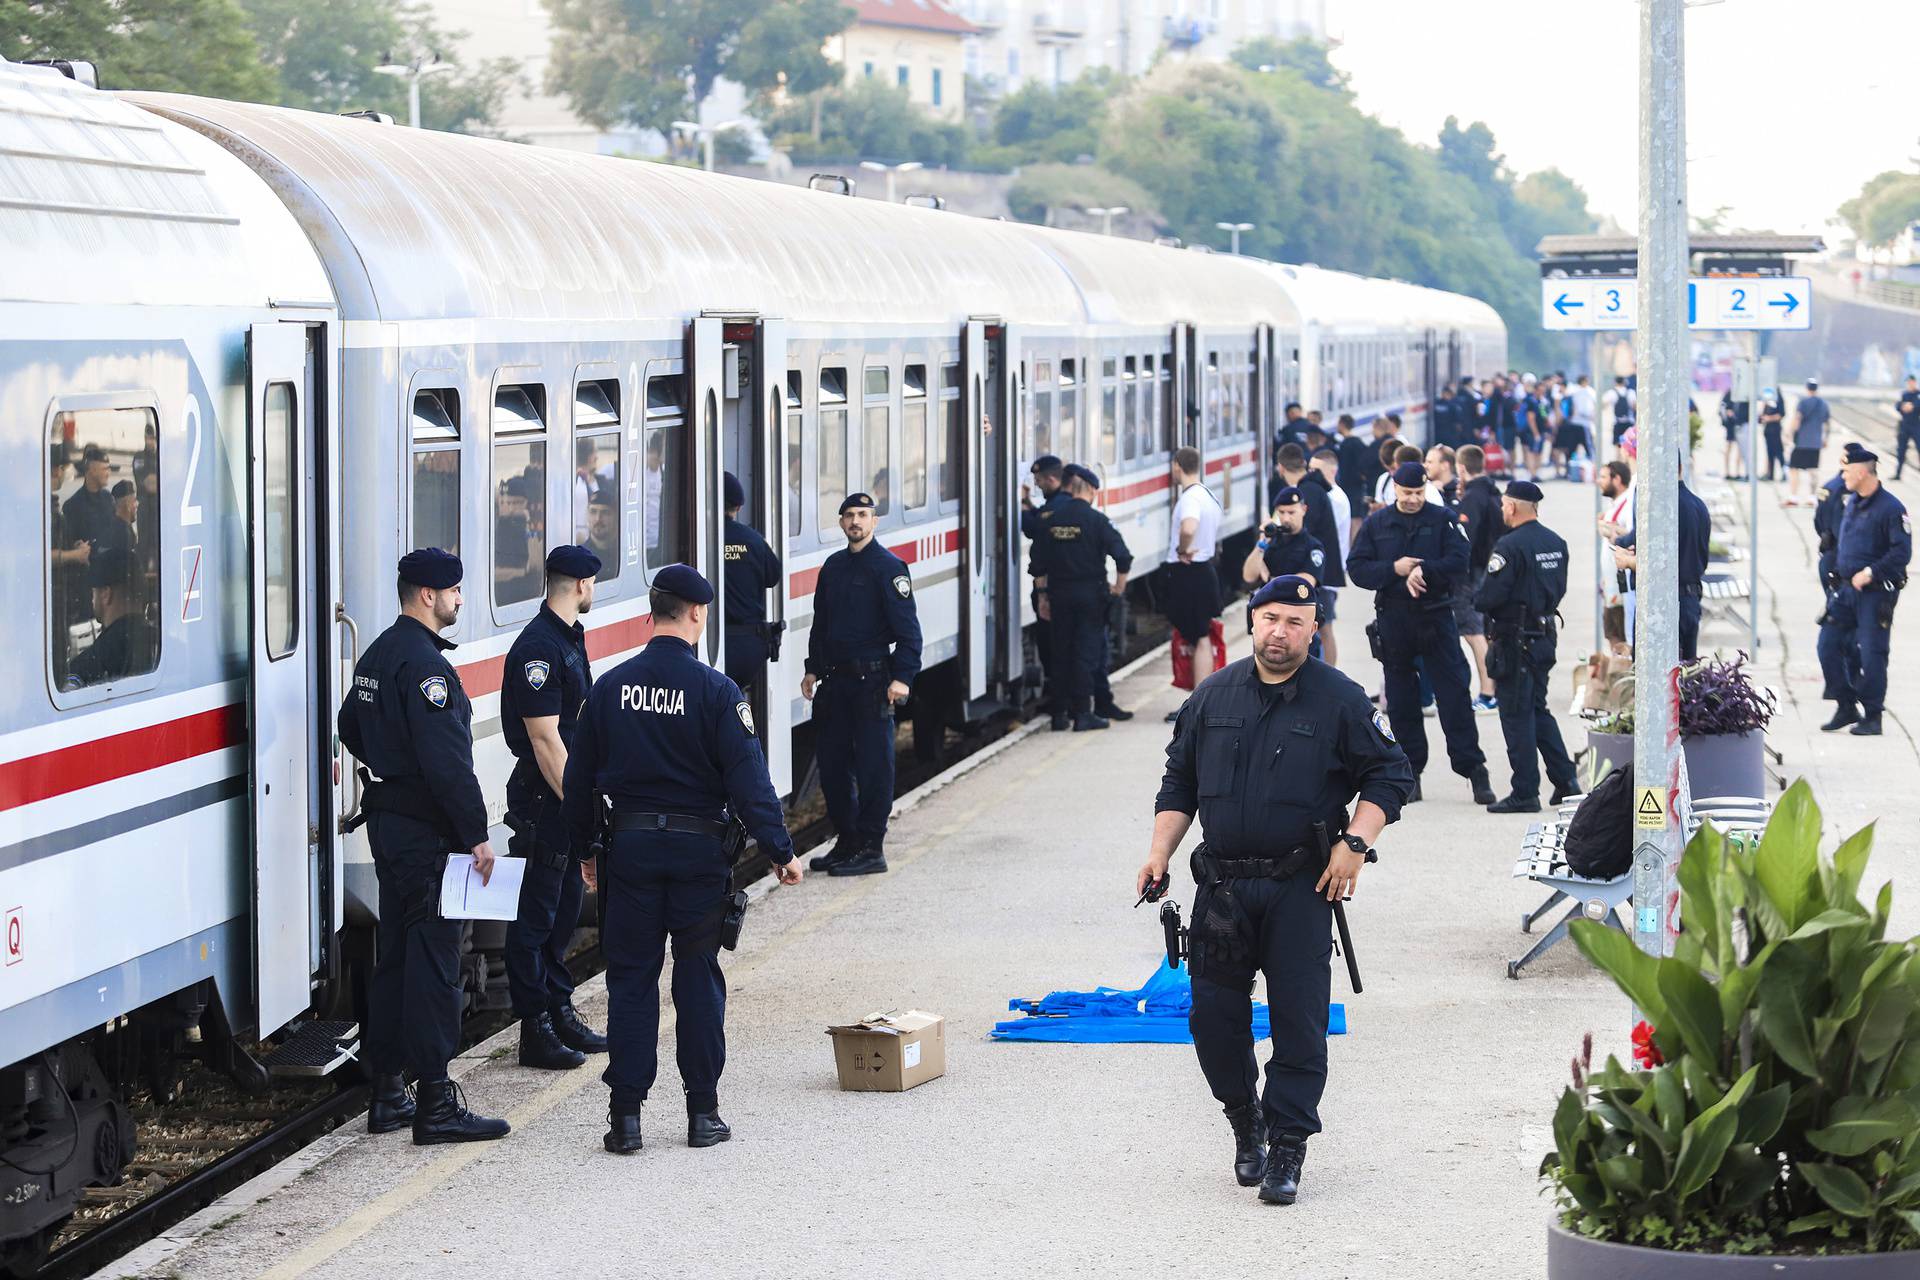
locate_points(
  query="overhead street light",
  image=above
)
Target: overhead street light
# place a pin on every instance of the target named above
(413, 71)
(891, 170)
(1107, 215)
(1235, 228)
(705, 134)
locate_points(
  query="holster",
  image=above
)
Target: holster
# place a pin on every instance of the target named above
(597, 850)
(733, 915)
(1503, 654)
(774, 632)
(1373, 640)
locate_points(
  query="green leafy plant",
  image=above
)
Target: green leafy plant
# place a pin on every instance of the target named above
(1774, 1105)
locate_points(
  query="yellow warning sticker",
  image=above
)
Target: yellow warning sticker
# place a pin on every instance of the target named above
(1649, 811)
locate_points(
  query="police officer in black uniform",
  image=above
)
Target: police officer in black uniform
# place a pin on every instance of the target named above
(1520, 596)
(1285, 547)
(1829, 507)
(1034, 517)
(1869, 572)
(546, 681)
(862, 655)
(1907, 416)
(1081, 540)
(1696, 532)
(1413, 556)
(407, 720)
(124, 644)
(752, 569)
(1265, 749)
(663, 756)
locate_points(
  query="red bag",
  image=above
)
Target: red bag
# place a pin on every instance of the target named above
(1496, 456)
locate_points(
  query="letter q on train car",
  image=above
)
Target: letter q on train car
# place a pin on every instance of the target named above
(16, 935)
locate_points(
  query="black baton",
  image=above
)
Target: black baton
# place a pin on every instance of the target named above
(1339, 911)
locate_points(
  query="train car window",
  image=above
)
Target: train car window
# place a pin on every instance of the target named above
(952, 446)
(795, 430)
(103, 567)
(596, 404)
(1168, 415)
(519, 408)
(832, 457)
(596, 472)
(666, 477)
(665, 396)
(279, 456)
(436, 499)
(519, 520)
(436, 414)
(1109, 411)
(876, 440)
(1066, 428)
(913, 439)
(1042, 423)
(1210, 426)
(1130, 405)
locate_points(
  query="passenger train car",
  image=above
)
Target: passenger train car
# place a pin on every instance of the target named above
(307, 344)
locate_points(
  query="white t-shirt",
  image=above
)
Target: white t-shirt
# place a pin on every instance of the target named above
(1620, 510)
(1342, 519)
(1580, 403)
(1383, 493)
(1196, 503)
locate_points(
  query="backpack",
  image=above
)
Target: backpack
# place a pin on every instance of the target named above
(1623, 406)
(1600, 838)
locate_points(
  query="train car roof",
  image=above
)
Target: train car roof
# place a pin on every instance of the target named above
(419, 225)
(1131, 282)
(103, 204)
(1341, 300)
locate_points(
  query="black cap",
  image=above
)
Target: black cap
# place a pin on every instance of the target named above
(1074, 471)
(123, 489)
(857, 500)
(1410, 475)
(517, 487)
(601, 498)
(1524, 491)
(432, 568)
(573, 562)
(109, 566)
(1288, 496)
(1857, 452)
(684, 581)
(731, 492)
(1288, 588)
(1046, 463)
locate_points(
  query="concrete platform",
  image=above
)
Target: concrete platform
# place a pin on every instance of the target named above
(1060, 1160)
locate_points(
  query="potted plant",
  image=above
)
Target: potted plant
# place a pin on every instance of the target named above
(1610, 742)
(1770, 1122)
(1723, 722)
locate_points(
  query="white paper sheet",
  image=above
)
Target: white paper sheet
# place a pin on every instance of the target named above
(463, 897)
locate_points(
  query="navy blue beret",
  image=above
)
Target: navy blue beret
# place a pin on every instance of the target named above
(1525, 491)
(1410, 475)
(573, 562)
(1857, 452)
(731, 492)
(1288, 588)
(1046, 462)
(1288, 496)
(109, 566)
(432, 568)
(857, 500)
(602, 498)
(684, 580)
(1074, 471)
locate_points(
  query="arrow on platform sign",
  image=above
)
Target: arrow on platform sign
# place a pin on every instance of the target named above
(1563, 304)
(1791, 302)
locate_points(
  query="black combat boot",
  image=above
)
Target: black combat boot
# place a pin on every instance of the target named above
(843, 849)
(1113, 711)
(1249, 1143)
(540, 1047)
(1059, 722)
(443, 1117)
(1843, 715)
(389, 1105)
(1869, 727)
(1087, 721)
(574, 1033)
(1482, 786)
(1515, 804)
(870, 860)
(707, 1130)
(1565, 791)
(1281, 1185)
(623, 1133)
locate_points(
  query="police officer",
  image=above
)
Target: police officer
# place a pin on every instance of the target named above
(1525, 581)
(752, 569)
(1413, 556)
(1081, 539)
(862, 654)
(1285, 546)
(124, 644)
(1696, 532)
(1869, 572)
(407, 720)
(1829, 506)
(546, 681)
(664, 752)
(1034, 518)
(1906, 411)
(1264, 750)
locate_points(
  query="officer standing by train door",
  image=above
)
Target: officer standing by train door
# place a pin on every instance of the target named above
(663, 756)
(751, 570)
(862, 655)
(1082, 541)
(541, 691)
(1034, 518)
(1413, 556)
(1263, 751)
(1869, 572)
(408, 721)
(1526, 578)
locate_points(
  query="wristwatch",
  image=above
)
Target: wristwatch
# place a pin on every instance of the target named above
(1359, 846)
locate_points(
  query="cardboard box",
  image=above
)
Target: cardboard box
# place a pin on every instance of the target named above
(890, 1052)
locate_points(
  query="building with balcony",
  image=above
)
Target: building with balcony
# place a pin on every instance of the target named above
(918, 45)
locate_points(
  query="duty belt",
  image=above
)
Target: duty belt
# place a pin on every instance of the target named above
(683, 823)
(857, 668)
(1283, 867)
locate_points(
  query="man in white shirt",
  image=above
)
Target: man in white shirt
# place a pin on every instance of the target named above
(1577, 431)
(1618, 489)
(1325, 463)
(1193, 585)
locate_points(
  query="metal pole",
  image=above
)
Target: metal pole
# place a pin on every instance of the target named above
(413, 98)
(1753, 507)
(1663, 364)
(706, 143)
(1602, 560)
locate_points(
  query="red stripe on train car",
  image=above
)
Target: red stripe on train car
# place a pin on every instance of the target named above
(802, 581)
(485, 675)
(120, 755)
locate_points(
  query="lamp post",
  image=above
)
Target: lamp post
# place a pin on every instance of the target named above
(1107, 214)
(413, 71)
(906, 166)
(705, 134)
(1234, 229)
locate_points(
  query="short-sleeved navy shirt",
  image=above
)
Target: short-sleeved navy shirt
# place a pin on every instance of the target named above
(547, 675)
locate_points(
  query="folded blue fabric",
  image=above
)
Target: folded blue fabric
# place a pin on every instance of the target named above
(1153, 1014)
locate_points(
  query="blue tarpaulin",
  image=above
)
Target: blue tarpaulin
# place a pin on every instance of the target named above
(1154, 1014)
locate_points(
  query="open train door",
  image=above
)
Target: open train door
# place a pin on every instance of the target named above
(283, 495)
(1430, 384)
(774, 709)
(977, 540)
(1185, 430)
(1266, 414)
(705, 340)
(1007, 416)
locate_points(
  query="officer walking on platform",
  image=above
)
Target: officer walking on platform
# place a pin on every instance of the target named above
(751, 570)
(1046, 473)
(1264, 752)
(663, 756)
(408, 721)
(1080, 541)
(1525, 581)
(862, 654)
(1696, 534)
(1869, 572)
(542, 689)
(1413, 556)
(1906, 411)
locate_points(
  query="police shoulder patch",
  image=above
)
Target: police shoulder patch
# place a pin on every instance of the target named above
(434, 688)
(1906, 523)
(904, 585)
(1318, 557)
(1496, 562)
(537, 674)
(1385, 726)
(745, 712)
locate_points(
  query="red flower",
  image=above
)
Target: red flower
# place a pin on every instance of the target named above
(1645, 1052)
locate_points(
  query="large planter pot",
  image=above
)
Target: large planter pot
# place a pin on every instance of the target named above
(1612, 749)
(1727, 764)
(1572, 1257)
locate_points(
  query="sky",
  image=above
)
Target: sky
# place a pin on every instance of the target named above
(1791, 104)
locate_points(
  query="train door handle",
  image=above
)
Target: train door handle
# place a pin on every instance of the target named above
(350, 784)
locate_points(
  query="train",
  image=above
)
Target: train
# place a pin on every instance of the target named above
(255, 354)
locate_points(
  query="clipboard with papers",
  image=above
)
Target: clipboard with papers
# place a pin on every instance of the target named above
(463, 897)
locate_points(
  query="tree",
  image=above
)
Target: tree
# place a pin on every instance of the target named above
(868, 120)
(1042, 188)
(1040, 122)
(168, 46)
(1886, 204)
(651, 62)
(1307, 58)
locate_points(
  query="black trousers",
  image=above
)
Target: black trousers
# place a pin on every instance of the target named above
(746, 658)
(550, 898)
(661, 886)
(853, 740)
(1530, 729)
(1855, 643)
(1906, 436)
(1776, 450)
(414, 999)
(1080, 643)
(1291, 930)
(1192, 598)
(1689, 627)
(1430, 638)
